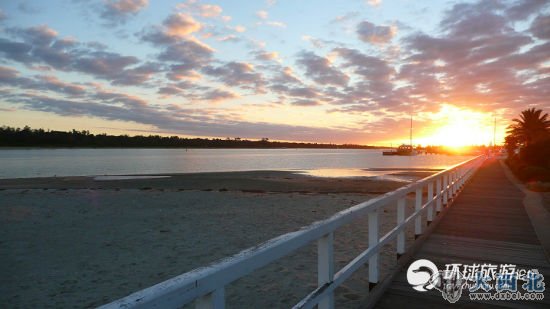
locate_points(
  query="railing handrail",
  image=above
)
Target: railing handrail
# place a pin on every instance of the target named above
(196, 283)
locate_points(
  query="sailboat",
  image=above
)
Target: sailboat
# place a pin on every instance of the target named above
(404, 149)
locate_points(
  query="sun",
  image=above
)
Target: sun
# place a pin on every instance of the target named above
(456, 127)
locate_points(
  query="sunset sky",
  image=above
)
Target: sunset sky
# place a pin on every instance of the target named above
(303, 70)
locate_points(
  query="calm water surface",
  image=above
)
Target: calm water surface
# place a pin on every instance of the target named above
(18, 163)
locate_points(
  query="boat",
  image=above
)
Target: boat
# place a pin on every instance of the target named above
(404, 149)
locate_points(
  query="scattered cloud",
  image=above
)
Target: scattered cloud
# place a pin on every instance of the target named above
(118, 11)
(262, 14)
(374, 2)
(277, 24)
(371, 33)
(541, 27)
(344, 18)
(181, 25)
(237, 74)
(217, 95)
(321, 70)
(203, 10)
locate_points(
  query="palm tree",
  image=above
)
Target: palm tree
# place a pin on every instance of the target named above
(531, 126)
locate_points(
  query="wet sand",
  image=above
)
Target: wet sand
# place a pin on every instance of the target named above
(76, 242)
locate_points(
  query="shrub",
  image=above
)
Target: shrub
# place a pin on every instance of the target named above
(534, 173)
(537, 154)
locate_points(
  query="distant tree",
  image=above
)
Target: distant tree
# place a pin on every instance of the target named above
(531, 126)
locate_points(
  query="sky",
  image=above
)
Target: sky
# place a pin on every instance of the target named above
(350, 71)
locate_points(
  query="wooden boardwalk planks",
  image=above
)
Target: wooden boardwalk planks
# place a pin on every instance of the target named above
(486, 224)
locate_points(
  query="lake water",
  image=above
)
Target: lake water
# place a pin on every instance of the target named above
(20, 163)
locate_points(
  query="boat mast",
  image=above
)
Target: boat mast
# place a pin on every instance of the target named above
(411, 132)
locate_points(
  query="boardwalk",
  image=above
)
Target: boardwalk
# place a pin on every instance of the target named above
(486, 224)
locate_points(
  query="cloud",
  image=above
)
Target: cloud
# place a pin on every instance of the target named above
(229, 38)
(321, 70)
(217, 95)
(240, 28)
(376, 73)
(54, 84)
(41, 45)
(345, 17)
(238, 74)
(202, 10)
(172, 118)
(190, 54)
(478, 61)
(305, 102)
(181, 25)
(541, 27)
(11, 77)
(262, 55)
(262, 14)
(118, 11)
(371, 33)
(278, 24)
(374, 2)
(39, 35)
(522, 9)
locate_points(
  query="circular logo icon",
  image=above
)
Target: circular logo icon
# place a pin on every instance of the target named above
(419, 274)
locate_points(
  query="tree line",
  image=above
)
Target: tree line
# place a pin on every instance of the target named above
(27, 137)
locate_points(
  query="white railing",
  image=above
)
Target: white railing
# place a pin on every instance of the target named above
(206, 285)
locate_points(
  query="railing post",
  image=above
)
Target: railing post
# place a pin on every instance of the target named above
(455, 191)
(453, 183)
(456, 183)
(373, 241)
(400, 219)
(445, 189)
(460, 177)
(213, 300)
(418, 219)
(325, 267)
(439, 194)
(431, 202)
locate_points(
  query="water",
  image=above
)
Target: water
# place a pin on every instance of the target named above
(21, 163)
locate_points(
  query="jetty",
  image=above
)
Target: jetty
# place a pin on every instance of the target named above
(469, 213)
(487, 223)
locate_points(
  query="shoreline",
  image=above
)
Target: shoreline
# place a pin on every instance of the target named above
(260, 181)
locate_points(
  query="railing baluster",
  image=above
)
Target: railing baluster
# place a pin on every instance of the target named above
(456, 183)
(430, 201)
(452, 184)
(418, 219)
(213, 300)
(439, 195)
(373, 240)
(325, 267)
(400, 219)
(463, 181)
(445, 189)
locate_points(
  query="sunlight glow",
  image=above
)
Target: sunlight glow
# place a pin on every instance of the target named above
(456, 127)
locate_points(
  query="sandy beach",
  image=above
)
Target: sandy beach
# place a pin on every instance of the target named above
(79, 242)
